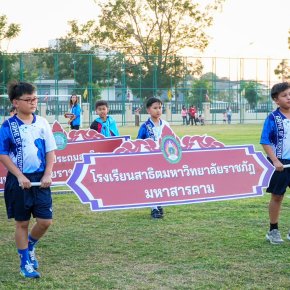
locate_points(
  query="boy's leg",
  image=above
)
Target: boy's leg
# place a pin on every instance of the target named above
(40, 228)
(37, 231)
(274, 235)
(21, 239)
(275, 207)
(21, 234)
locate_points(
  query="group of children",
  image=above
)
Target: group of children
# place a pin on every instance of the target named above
(27, 150)
(191, 115)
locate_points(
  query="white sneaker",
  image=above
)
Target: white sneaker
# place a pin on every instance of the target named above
(288, 236)
(274, 237)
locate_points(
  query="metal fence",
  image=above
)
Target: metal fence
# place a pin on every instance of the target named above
(121, 79)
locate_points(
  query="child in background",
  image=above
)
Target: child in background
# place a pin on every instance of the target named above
(201, 119)
(275, 139)
(184, 115)
(104, 124)
(27, 150)
(224, 117)
(75, 109)
(12, 111)
(152, 128)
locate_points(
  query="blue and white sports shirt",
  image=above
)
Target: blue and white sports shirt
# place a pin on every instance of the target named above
(149, 130)
(276, 133)
(27, 145)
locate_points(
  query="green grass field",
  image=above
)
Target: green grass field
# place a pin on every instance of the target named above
(215, 245)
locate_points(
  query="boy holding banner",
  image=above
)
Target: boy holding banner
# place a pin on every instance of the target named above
(27, 150)
(275, 140)
(104, 124)
(152, 128)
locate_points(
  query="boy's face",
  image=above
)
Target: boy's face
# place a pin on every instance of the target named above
(102, 111)
(26, 104)
(155, 110)
(283, 99)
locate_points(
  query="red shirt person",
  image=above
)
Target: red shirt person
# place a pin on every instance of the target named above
(192, 115)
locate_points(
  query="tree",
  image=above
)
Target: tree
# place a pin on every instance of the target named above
(200, 89)
(7, 31)
(251, 93)
(283, 70)
(151, 32)
(67, 60)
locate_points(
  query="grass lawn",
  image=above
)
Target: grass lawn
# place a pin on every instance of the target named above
(215, 245)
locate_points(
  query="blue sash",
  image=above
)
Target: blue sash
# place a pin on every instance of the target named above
(278, 117)
(149, 127)
(14, 128)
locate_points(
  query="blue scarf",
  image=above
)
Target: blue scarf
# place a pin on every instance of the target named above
(14, 128)
(149, 126)
(109, 127)
(278, 117)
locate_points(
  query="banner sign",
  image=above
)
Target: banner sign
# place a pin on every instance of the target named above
(70, 147)
(142, 173)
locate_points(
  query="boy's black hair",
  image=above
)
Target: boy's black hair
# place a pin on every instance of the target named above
(101, 103)
(151, 101)
(17, 89)
(278, 88)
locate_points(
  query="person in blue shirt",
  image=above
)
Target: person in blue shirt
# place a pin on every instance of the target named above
(104, 124)
(152, 128)
(275, 140)
(75, 109)
(27, 151)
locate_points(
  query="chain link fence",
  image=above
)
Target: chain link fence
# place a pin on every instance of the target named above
(239, 83)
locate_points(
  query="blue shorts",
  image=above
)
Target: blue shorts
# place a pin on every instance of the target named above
(21, 203)
(280, 180)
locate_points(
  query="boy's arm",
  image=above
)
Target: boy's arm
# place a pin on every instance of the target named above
(142, 132)
(114, 129)
(269, 151)
(94, 126)
(24, 182)
(46, 178)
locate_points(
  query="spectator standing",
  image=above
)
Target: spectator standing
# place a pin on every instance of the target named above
(75, 109)
(184, 115)
(229, 115)
(192, 115)
(224, 117)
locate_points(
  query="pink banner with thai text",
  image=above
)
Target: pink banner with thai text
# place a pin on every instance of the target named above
(142, 173)
(71, 145)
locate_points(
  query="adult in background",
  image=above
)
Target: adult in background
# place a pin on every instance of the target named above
(75, 109)
(229, 115)
(184, 115)
(192, 115)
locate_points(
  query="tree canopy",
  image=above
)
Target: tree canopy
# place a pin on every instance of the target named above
(7, 31)
(152, 33)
